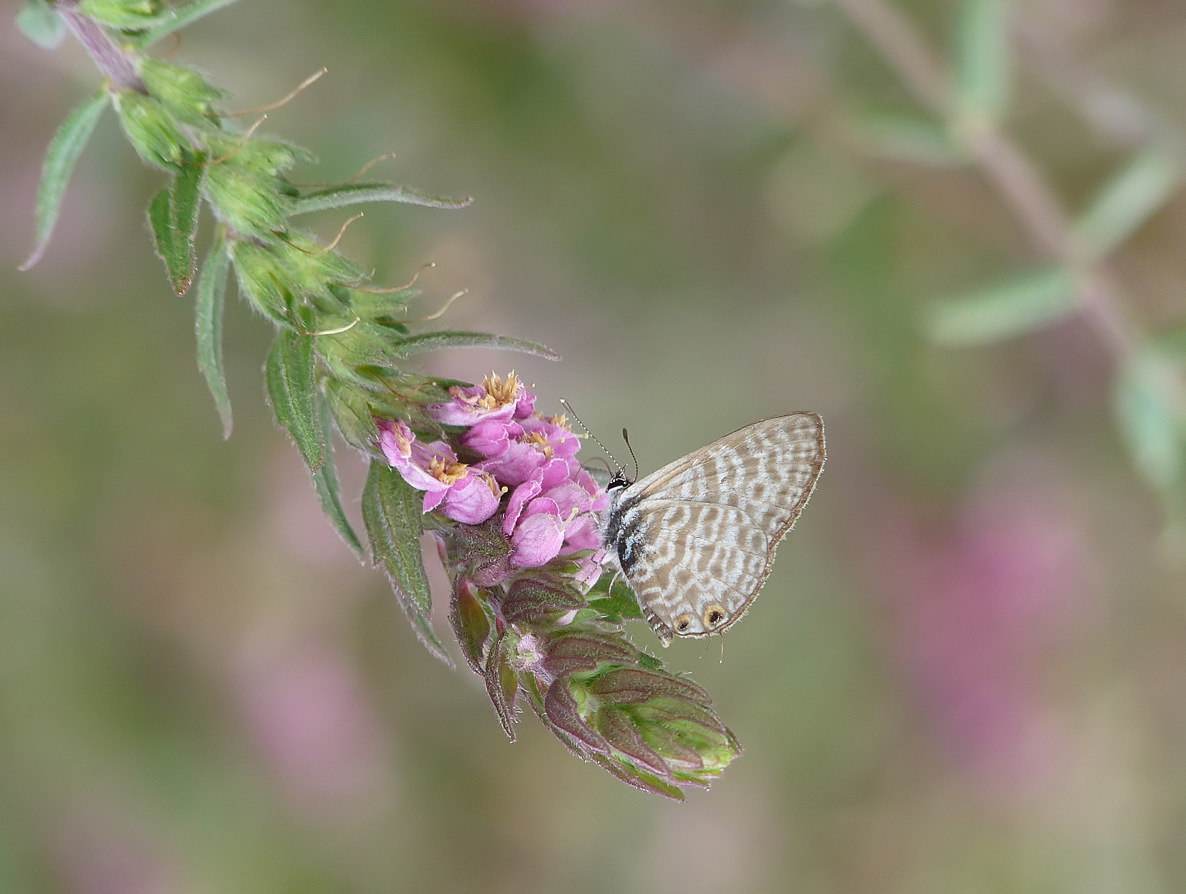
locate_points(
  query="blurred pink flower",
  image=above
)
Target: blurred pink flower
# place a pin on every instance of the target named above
(101, 852)
(309, 716)
(979, 607)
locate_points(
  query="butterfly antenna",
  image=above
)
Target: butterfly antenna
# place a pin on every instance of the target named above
(567, 406)
(626, 438)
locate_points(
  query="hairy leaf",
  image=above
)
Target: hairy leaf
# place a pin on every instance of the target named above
(208, 326)
(173, 219)
(41, 24)
(1146, 404)
(434, 341)
(1129, 199)
(292, 388)
(359, 193)
(1009, 308)
(325, 482)
(982, 57)
(391, 511)
(63, 152)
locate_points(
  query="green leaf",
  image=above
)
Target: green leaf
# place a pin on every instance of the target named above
(613, 599)
(175, 19)
(982, 57)
(173, 219)
(435, 341)
(358, 193)
(208, 326)
(292, 388)
(1009, 308)
(1147, 396)
(63, 152)
(1128, 200)
(391, 511)
(910, 139)
(41, 24)
(325, 481)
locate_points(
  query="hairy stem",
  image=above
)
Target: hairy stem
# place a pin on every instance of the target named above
(115, 65)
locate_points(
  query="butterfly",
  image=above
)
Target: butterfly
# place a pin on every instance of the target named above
(696, 539)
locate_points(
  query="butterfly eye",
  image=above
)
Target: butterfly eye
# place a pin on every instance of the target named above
(713, 617)
(683, 624)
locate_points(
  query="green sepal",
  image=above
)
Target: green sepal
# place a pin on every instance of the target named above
(292, 390)
(173, 220)
(243, 182)
(391, 512)
(264, 281)
(372, 305)
(359, 193)
(39, 22)
(63, 152)
(208, 308)
(1013, 307)
(1129, 199)
(435, 341)
(325, 482)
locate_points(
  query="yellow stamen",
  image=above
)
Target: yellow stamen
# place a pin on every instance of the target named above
(447, 471)
(536, 439)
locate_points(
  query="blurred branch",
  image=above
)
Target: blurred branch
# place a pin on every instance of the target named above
(1017, 180)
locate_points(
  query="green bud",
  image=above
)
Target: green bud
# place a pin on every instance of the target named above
(128, 15)
(351, 412)
(263, 280)
(151, 130)
(251, 202)
(182, 91)
(532, 600)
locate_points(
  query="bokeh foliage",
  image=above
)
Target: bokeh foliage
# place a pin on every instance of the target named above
(965, 671)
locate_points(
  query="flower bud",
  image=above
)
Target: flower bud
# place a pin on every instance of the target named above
(182, 91)
(151, 129)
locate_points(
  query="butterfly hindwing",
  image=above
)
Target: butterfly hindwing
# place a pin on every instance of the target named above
(696, 539)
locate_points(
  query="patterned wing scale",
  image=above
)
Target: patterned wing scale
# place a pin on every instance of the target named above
(696, 539)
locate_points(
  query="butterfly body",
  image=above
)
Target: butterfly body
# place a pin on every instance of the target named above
(696, 539)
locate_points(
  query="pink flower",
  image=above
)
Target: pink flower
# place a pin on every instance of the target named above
(538, 534)
(463, 494)
(494, 399)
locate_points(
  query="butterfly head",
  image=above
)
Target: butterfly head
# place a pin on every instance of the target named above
(618, 481)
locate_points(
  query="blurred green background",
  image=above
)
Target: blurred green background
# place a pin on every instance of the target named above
(967, 672)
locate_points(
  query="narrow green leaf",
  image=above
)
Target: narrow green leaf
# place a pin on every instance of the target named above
(1150, 418)
(208, 326)
(175, 19)
(982, 57)
(41, 24)
(325, 481)
(391, 511)
(63, 152)
(1128, 200)
(173, 220)
(292, 388)
(910, 139)
(434, 341)
(1009, 308)
(358, 193)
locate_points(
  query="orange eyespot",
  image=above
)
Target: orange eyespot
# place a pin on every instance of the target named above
(683, 624)
(714, 616)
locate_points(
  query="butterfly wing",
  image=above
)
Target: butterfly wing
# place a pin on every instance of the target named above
(698, 536)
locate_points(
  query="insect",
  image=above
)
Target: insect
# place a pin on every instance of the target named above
(696, 539)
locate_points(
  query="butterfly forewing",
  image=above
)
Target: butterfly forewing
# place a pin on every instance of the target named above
(696, 539)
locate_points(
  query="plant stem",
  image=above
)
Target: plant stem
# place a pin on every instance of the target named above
(1016, 179)
(115, 65)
